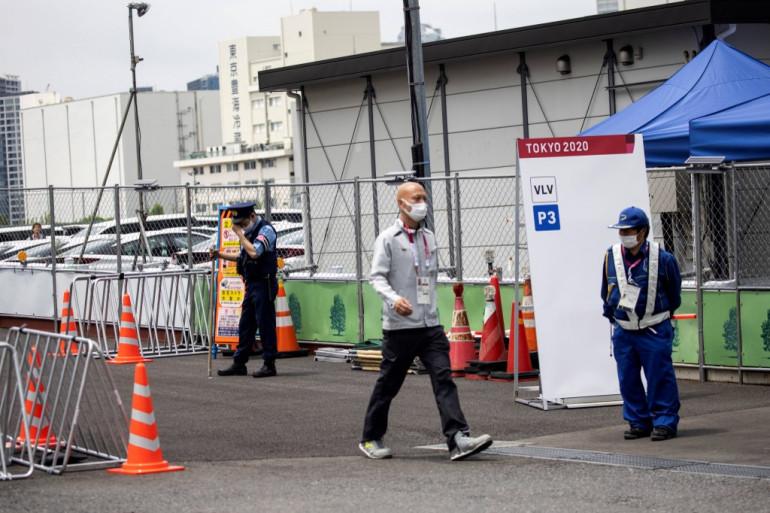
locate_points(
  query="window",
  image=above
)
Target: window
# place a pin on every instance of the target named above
(276, 125)
(233, 166)
(197, 170)
(268, 163)
(215, 168)
(250, 164)
(259, 128)
(274, 101)
(200, 209)
(251, 182)
(258, 103)
(233, 183)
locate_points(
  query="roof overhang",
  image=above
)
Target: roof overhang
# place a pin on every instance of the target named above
(591, 28)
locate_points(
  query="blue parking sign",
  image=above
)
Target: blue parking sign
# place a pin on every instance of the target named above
(546, 218)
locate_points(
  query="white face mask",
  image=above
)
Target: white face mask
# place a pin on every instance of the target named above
(418, 211)
(629, 241)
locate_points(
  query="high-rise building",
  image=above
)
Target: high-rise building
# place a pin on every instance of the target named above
(11, 163)
(256, 126)
(204, 83)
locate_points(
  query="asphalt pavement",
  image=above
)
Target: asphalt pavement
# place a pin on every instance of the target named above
(290, 444)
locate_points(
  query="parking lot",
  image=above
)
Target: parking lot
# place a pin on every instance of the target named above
(289, 444)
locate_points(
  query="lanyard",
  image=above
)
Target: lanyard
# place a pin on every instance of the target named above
(413, 246)
(631, 266)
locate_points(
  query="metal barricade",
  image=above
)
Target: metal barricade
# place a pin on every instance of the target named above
(76, 418)
(171, 310)
(12, 399)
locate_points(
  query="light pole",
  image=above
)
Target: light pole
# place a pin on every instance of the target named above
(141, 9)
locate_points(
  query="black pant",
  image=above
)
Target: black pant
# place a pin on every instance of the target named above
(257, 311)
(399, 349)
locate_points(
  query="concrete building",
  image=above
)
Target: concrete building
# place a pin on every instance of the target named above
(605, 6)
(256, 125)
(540, 81)
(204, 83)
(69, 144)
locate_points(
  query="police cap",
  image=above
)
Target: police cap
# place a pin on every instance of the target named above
(241, 211)
(631, 217)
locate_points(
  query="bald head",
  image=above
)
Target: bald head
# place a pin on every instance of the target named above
(412, 192)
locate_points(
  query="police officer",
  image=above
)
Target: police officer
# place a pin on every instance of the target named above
(404, 273)
(641, 289)
(257, 264)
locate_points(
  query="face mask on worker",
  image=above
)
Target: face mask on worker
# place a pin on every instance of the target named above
(417, 211)
(629, 241)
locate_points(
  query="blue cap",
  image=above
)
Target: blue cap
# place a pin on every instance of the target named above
(631, 217)
(242, 210)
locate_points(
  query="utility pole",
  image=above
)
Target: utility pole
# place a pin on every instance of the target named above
(416, 76)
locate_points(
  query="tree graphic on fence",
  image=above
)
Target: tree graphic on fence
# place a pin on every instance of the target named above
(730, 331)
(296, 312)
(766, 333)
(337, 316)
(676, 340)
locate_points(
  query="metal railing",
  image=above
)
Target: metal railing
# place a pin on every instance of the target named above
(76, 417)
(12, 398)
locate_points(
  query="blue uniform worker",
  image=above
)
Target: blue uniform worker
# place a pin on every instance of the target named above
(257, 264)
(641, 289)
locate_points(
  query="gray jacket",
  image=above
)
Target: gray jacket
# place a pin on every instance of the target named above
(393, 275)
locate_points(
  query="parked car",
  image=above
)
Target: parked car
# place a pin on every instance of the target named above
(36, 251)
(102, 250)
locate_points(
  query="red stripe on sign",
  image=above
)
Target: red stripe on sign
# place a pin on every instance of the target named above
(576, 146)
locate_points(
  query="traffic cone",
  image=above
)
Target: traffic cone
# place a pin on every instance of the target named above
(495, 282)
(284, 327)
(525, 364)
(128, 343)
(39, 430)
(144, 454)
(492, 343)
(528, 314)
(68, 325)
(462, 346)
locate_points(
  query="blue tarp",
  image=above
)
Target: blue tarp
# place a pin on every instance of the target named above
(720, 77)
(740, 133)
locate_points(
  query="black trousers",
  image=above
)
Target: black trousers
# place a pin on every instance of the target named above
(399, 349)
(257, 311)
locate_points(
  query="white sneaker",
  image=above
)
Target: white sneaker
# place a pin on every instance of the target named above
(467, 446)
(375, 449)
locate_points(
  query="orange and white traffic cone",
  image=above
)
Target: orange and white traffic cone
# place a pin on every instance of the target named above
(462, 346)
(68, 325)
(287, 344)
(39, 429)
(525, 364)
(528, 314)
(495, 283)
(128, 341)
(144, 454)
(492, 343)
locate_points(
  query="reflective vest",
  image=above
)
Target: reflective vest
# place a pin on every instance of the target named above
(634, 323)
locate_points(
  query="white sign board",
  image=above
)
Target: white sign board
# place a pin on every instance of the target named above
(573, 189)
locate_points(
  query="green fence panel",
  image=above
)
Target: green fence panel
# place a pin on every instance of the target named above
(328, 311)
(755, 328)
(685, 346)
(720, 328)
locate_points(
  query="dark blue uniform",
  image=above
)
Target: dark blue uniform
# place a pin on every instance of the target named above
(258, 309)
(648, 348)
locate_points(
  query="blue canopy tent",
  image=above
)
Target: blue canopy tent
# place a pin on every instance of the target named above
(739, 133)
(720, 77)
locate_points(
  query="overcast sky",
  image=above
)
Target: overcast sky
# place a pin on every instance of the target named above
(79, 48)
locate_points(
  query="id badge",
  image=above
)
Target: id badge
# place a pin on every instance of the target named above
(423, 290)
(629, 297)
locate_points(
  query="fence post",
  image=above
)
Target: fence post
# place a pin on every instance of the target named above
(458, 230)
(736, 268)
(359, 261)
(696, 198)
(191, 282)
(52, 215)
(268, 201)
(118, 249)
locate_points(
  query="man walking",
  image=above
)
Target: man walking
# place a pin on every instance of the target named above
(404, 273)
